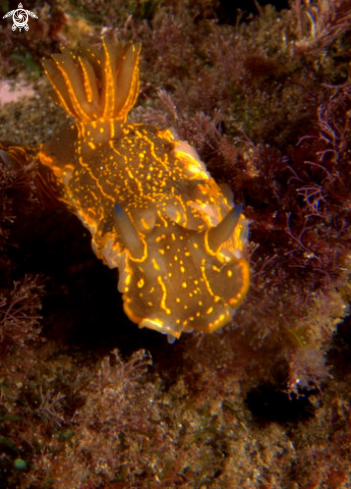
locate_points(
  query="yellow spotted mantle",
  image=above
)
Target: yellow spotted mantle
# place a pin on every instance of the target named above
(148, 201)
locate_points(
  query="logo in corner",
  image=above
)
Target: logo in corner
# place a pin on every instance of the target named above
(20, 18)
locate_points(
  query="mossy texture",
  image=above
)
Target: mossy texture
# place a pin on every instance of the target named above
(89, 401)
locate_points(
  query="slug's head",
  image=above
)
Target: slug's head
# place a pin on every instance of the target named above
(175, 279)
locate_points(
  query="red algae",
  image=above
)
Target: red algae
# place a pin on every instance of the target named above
(263, 403)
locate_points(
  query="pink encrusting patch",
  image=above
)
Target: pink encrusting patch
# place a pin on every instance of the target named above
(13, 91)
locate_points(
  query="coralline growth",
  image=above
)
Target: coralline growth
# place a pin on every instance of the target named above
(263, 402)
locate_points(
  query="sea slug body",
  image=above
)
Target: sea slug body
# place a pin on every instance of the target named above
(147, 199)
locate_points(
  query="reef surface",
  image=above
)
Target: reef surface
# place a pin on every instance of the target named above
(87, 400)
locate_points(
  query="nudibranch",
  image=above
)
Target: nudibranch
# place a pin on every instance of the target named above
(152, 208)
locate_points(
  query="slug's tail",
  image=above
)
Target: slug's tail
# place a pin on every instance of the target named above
(96, 85)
